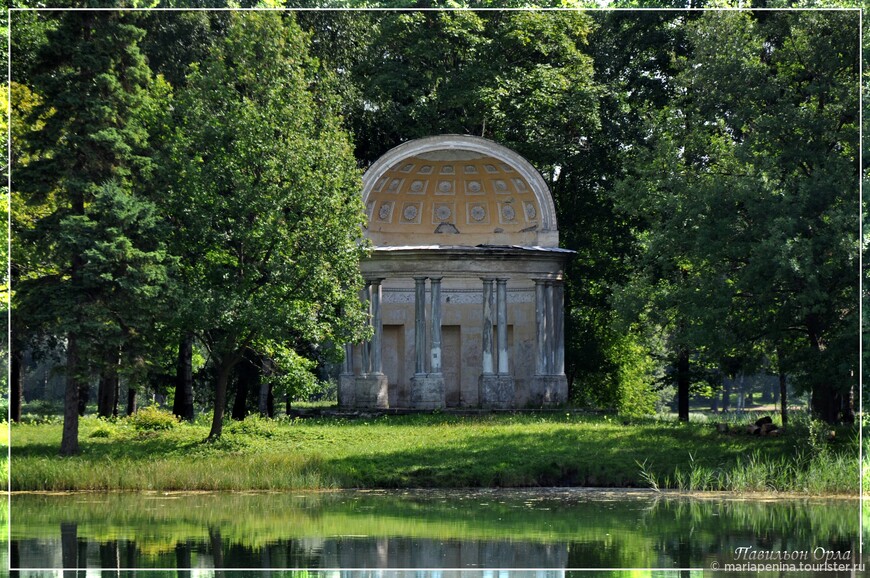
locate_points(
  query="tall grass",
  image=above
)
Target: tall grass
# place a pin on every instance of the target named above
(817, 474)
(229, 473)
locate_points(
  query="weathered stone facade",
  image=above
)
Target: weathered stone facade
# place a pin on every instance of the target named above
(464, 284)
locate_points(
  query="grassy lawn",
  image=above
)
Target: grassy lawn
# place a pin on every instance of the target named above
(499, 450)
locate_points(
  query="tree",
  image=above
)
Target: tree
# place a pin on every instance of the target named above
(266, 203)
(89, 261)
(747, 183)
(610, 358)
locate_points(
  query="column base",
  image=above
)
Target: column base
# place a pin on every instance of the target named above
(427, 391)
(346, 390)
(496, 391)
(371, 391)
(548, 389)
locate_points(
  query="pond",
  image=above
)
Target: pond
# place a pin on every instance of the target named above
(443, 532)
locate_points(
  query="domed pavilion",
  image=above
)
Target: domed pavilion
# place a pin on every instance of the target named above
(464, 283)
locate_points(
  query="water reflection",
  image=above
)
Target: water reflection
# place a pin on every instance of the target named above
(537, 532)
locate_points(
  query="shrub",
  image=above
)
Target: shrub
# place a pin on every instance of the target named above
(103, 429)
(253, 425)
(152, 418)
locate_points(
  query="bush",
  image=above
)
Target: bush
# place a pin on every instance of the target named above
(254, 426)
(102, 431)
(152, 418)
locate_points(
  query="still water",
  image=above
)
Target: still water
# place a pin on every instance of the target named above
(545, 530)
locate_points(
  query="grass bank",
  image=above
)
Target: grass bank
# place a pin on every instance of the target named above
(446, 451)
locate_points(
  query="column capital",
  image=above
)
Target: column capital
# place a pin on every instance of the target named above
(436, 278)
(546, 278)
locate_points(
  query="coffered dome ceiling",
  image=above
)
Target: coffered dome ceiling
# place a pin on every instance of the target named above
(466, 190)
(455, 191)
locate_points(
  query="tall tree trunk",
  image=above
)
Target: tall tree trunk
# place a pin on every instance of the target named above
(287, 401)
(822, 399)
(131, 400)
(117, 397)
(726, 394)
(264, 397)
(69, 444)
(849, 409)
(683, 384)
(183, 406)
(108, 385)
(84, 397)
(220, 398)
(240, 405)
(824, 403)
(250, 374)
(16, 387)
(783, 398)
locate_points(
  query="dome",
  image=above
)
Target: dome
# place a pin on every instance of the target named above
(457, 190)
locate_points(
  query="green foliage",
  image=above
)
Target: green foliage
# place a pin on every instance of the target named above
(253, 426)
(152, 418)
(744, 193)
(89, 262)
(622, 379)
(104, 429)
(292, 374)
(264, 193)
(702, 166)
(521, 78)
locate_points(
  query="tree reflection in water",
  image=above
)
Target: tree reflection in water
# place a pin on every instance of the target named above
(507, 529)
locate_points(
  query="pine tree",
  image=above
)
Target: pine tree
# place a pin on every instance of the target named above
(87, 250)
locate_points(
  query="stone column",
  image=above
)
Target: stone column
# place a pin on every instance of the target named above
(486, 335)
(427, 389)
(435, 287)
(347, 367)
(366, 365)
(377, 366)
(501, 307)
(420, 325)
(495, 390)
(550, 329)
(540, 328)
(559, 327)
(372, 384)
(346, 382)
